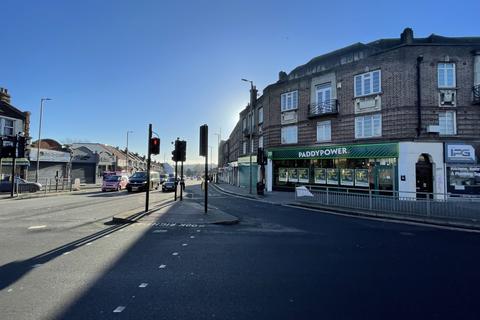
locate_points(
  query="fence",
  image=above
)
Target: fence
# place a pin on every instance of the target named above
(56, 185)
(418, 206)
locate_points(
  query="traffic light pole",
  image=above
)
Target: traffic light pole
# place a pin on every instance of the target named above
(14, 157)
(176, 168)
(206, 182)
(181, 181)
(147, 197)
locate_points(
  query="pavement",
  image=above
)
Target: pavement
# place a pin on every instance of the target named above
(63, 259)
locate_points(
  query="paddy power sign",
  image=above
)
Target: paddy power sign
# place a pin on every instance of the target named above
(380, 150)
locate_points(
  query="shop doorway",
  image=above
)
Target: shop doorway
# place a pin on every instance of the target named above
(384, 179)
(424, 176)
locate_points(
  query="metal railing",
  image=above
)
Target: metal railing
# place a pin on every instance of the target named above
(476, 94)
(323, 108)
(50, 185)
(416, 205)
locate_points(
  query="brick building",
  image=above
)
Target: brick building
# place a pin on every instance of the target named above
(394, 114)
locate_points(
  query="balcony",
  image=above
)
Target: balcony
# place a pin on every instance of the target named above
(323, 108)
(476, 94)
(246, 131)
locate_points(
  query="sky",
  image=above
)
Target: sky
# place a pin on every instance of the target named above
(114, 66)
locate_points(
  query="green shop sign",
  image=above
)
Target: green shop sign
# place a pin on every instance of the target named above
(379, 150)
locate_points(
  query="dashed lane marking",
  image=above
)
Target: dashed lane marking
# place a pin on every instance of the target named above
(175, 254)
(65, 253)
(143, 285)
(192, 237)
(162, 266)
(119, 309)
(184, 244)
(160, 231)
(37, 227)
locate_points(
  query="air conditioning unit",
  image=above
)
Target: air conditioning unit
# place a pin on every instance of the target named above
(447, 97)
(433, 129)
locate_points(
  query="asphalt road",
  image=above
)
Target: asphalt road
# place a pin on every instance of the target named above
(278, 263)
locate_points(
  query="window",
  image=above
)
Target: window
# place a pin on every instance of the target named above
(324, 131)
(244, 123)
(289, 101)
(260, 115)
(368, 83)
(368, 126)
(323, 96)
(8, 127)
(289, 134)
(446, 75)
(447, 123)
(244, 147)
(260, 142)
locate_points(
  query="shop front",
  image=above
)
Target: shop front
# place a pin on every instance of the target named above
(360, 166)
(463, 169)
(244, 171)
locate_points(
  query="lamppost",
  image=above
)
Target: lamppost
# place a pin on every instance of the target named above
(39, 137)
(250, 127)
(126, 151)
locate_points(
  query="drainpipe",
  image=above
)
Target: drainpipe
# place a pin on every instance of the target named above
(419, 95)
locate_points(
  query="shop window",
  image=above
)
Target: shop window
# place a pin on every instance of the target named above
(289, 134)
(324, 131)
(244, 147)
(260, 115)
(368, 126)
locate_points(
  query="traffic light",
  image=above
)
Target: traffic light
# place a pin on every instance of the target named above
(21, 144)
(182, 152)
(154, 146)
(7, 152)
(204, 140)
(175, 152)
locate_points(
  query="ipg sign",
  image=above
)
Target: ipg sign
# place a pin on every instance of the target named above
(459, 153)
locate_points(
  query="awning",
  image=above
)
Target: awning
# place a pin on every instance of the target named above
(18, 162)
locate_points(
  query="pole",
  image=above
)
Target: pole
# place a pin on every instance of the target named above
(206, 181)
(176, 167)
(181, 181)
(14, 156)
(39, 139)
(126, 152)
(148, 167)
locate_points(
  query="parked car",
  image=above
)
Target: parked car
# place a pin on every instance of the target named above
(138, 181)
(23, 185)
(169, 185)
(115, 183)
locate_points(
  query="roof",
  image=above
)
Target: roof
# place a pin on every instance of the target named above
(116, 152)
(94, 147)
(7, 110)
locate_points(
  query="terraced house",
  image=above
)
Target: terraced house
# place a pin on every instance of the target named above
(395, 114)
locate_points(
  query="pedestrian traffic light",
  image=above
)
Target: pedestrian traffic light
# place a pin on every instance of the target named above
(154, 146)
(21, 146)
(182, 152)
(204, 140)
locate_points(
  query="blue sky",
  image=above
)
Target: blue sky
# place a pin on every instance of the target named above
(117, 65)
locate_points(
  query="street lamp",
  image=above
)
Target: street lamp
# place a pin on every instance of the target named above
(126, 151)
(39, 137)
(250, 118)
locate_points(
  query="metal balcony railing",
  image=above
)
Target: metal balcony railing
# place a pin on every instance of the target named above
(476, 94)
(323, 108)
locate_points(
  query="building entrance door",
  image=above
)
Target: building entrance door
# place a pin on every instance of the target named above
(424, 176)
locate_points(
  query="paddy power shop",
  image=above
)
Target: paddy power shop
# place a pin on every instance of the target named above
(366, 166)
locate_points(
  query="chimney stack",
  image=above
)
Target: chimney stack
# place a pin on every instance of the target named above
(4, 96)
(27, 123)
(407, 36)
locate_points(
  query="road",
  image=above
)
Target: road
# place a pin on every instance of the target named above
(277, 263)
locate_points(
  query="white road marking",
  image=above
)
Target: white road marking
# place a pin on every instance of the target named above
(162, 266)
(36, 227)
(184, 244)
(107, 236)
(175, 254)
(10, 290)
(119, 309)
(65, 253)
(192, 237)
(143, 285)
(158, 231)
(198, 230)
(37, 265)
(89, 244)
